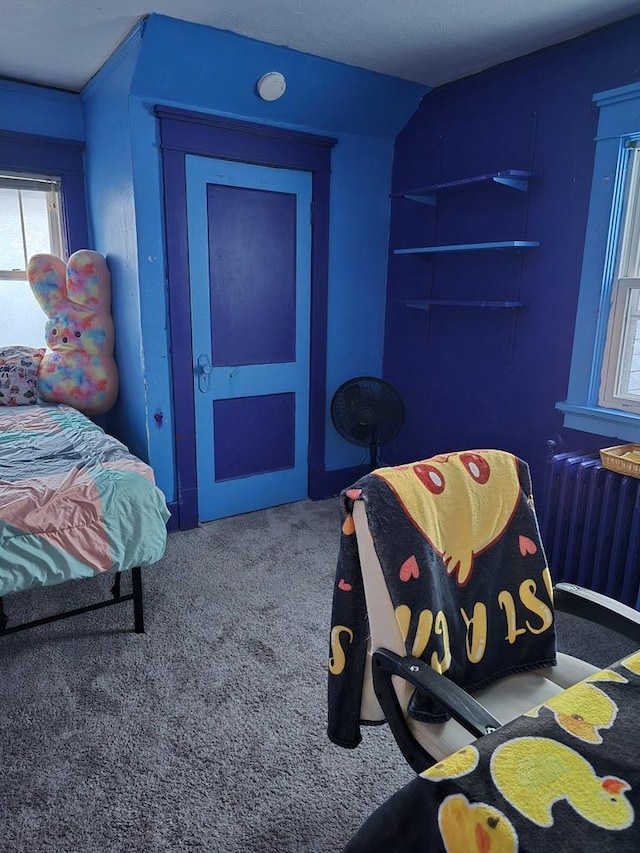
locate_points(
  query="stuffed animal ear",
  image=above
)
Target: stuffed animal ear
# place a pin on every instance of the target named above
(47, 275)
(88, 281)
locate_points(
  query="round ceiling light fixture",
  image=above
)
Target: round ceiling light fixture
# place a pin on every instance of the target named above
(271, 86)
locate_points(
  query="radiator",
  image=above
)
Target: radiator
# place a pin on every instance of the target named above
(590, 526)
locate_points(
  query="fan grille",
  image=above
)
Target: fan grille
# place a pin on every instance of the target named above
(367, 411)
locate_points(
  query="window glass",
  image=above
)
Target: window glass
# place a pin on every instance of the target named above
(620, 385)
(11, 252)
(37, 210)
(630, 244)
(29, 224)
(627, 379)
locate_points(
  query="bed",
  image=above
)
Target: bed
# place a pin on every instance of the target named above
(74, 503)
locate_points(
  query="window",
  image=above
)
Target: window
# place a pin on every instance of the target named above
(29, 223)
(604, 382)
(620, 385)
(29, 157)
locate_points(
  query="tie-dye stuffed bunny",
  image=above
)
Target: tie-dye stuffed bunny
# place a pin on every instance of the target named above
(78, 367)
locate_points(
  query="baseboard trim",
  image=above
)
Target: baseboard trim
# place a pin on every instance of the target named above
(322, 484)
(172, 522)
(327, 484)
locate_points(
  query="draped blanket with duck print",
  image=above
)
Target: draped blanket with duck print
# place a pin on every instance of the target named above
(459, 546)
(564, 776)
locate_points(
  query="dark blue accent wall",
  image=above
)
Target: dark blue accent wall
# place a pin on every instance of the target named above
(479, 377)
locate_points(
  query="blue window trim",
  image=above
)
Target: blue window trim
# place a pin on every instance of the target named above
(64, 158)
(619, 122)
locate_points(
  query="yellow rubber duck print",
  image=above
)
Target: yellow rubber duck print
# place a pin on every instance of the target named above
(458, 764)
(474, 827)
(582, 711)
(533, 773)
(632, 663)
(607, 675)
(461, 503)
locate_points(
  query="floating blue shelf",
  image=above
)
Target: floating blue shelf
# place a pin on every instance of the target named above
(426, 304)
(469, 247)
(513, 178)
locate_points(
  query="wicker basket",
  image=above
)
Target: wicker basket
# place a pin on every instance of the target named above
(613, 458)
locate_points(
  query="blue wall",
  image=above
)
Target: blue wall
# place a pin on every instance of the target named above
(199, 68)
(473, 378)
(109, 172)
(34, 109)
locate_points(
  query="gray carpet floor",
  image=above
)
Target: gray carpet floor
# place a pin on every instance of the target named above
(207, 733)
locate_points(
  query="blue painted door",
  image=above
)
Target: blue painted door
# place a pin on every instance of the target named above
(250, 271)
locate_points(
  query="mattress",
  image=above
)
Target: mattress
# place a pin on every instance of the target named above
(74, 501)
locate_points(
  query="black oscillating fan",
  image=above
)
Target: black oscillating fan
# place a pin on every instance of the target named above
(368, 412)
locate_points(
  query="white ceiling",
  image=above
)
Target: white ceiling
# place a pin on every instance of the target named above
(62, 43)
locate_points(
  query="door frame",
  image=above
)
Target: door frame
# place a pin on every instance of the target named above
(184, 132)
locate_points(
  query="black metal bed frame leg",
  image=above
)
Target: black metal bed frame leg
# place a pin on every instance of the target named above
(135, 595)
(138, 613)
(115, 589)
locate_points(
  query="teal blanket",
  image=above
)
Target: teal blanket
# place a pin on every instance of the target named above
(73, 500)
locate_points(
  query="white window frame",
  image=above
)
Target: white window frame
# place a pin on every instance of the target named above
(590, 406)
(53, 189)
(614, 367)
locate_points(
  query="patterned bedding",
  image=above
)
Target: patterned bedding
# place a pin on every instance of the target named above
(73, 500)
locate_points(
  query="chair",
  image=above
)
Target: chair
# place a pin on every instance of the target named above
(391, 673)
